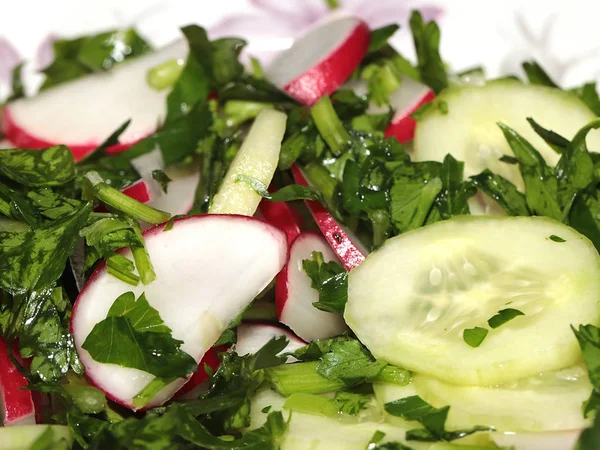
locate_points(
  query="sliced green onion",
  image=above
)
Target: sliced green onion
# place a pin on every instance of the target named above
(329, 125)
(165, 75)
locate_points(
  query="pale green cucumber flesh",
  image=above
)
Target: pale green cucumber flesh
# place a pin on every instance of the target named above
(412, 299)
(469, 130)
(22, 437)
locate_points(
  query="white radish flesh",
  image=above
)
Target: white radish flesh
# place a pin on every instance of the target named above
(257, 160)
(295, 296)
(208, 269)
(251, 337)
(83, 113)
(320, 61)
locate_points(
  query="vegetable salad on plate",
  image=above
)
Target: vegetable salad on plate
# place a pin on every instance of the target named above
(342, 249)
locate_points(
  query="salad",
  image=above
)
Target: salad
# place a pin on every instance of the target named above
(344, 249)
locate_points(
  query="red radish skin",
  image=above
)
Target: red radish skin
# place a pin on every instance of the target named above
(251, 337)
(22, 139)
(83, 113)
(294, 295)
(405, 100)
(140, 191)
(403, 126)
(322, 60)
(246, 252)
(282, 216)
(18, 406)
(210, 359)
(346, 250)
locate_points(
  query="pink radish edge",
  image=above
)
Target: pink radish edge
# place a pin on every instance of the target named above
(294, 296)
(18, 403)
(282, 216)
(98, 272)
(403, 126)
(347, 251)
(325, 75)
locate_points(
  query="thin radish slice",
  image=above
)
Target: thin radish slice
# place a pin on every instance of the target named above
(320, 61)
(409, 97)
(405, 100)
(210, 359)
(208, 269)
(251, 337)
(348, 250)
(256, 160)
(282, 216)
(17, 404)
(295, 296)
(82, 113)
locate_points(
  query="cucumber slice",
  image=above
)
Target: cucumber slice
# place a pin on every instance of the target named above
(469, 130)
(257, 160)
(411, 300)
(22, 437)
(546, 402)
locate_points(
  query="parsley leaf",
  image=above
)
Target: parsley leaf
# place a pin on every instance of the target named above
(537, 75)
(349, 361)
(426, 37)
(53, 166)
(380, 36)
(588, 93)
(504, 316)
(554, 140)
(455, 193)
(95, 53)
(589, 438)
(474, 336)
(330, 280)
(193, 84)
(412, 194)
(541, 187)
(133, 335)
(503, 192)
(432, 419)
(34, 260)
(351, 403)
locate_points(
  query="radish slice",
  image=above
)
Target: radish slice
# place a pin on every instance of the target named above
(251, 337)
(210, 359)
(320, 61)
(347, 250)
(282, 216)
(409, 97)
(295, 296)
(17, 404)
(405, 100)
(82, 113)
(208, 269)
